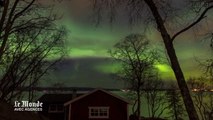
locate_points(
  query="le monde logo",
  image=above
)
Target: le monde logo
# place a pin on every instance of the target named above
(27, 106)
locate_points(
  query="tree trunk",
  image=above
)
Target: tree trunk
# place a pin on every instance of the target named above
(174, 62)
(139, 104)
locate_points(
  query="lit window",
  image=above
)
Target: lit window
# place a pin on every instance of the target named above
(56, 108)
(98, 112)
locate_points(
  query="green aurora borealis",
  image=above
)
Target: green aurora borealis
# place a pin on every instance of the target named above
(88, 43)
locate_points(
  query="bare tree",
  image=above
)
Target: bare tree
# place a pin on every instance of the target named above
(207, 65)
(202, 98)
(29, 42)
(137, 64)
(175, 106)
(160, 11)
(155, 97)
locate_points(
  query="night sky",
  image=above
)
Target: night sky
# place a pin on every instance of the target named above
(88, 64)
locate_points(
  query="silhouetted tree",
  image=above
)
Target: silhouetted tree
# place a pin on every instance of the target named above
(1, 3)
(155, 97)
(160, 11)
(29, 43)
(137, 64)
(202, 98)
(210, 63)
(175, 104)
(208, 66)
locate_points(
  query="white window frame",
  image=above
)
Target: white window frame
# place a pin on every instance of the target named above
(56, 109)
(98, 112)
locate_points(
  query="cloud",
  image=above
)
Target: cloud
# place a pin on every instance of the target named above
(83, 72)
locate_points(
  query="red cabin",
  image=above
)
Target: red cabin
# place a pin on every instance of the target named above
(97, 105)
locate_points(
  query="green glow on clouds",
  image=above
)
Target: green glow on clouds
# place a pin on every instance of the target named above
(85, 40)
(163, 68)
(108, 67)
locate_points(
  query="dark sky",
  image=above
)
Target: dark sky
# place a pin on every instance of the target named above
(88, 62)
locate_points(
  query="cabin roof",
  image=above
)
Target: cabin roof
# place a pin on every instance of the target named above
(57, 98)
(91, 92)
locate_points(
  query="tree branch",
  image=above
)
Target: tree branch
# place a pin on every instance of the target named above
(192, 24)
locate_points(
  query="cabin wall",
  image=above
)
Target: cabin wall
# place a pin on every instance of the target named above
(117, 108)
